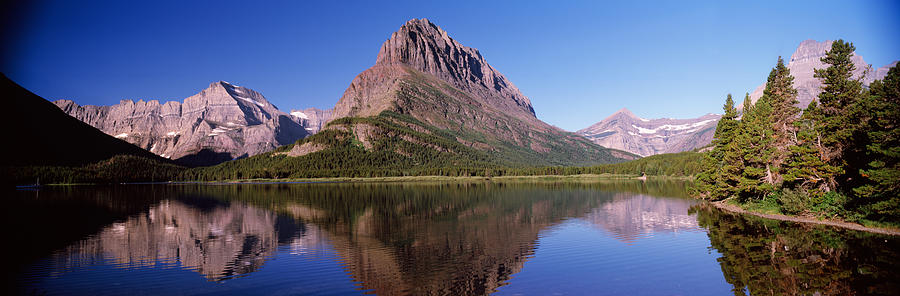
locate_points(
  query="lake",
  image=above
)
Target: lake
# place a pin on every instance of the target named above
(515, 238)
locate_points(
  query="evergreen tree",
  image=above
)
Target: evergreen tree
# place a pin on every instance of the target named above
(840, 90)
(712, 183)
(755, 146)
(781, 96)
(881, 174)
(805, 169)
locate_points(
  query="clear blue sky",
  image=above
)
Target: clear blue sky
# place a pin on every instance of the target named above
(577, 61)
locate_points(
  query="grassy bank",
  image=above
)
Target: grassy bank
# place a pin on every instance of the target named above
(769, 213)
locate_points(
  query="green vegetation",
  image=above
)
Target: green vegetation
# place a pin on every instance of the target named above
(511, 140)
(386, 145)
(683, 164)
(118, 169)
(390, 144)
(349, 158)
(840, 158)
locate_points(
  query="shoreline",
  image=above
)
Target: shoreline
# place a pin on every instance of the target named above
(400, 179)
(397, 179)
(841, 224)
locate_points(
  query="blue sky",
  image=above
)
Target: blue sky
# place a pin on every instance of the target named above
(577, 61)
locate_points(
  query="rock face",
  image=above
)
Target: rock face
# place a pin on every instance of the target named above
(623, 130)
(806, 59)
(220, 123)
(421, 46)
(424, 73)
(312, 119)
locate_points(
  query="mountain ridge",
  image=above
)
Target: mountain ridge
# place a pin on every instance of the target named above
(221, 122)
(626, 131)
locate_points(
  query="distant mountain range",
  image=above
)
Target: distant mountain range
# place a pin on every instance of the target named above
(222, 122)
(624, 130)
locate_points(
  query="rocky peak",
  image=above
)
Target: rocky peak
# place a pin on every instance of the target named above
(806, 59)
(625, 112)
(425, 47)
(423, 73)
(810, 50)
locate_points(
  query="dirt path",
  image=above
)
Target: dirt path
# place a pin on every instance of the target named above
(847, 225)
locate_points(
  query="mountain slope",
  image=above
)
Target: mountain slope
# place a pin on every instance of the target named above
(422, 72)
(220, 123)
(623, 130)
(41, 134)
(806, 59)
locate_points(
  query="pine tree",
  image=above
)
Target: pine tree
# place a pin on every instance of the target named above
(805, 168)
(840, 90)
(881, 174)
(711, 183)
(782, 97)
(755, 142)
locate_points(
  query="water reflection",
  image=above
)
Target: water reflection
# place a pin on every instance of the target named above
(391, 239)
(630, 217)
(768, 257)
(218, 240)
(437, 238)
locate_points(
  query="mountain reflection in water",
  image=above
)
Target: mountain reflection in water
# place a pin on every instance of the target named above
(630, 217)
(388, 239)
(218, 241)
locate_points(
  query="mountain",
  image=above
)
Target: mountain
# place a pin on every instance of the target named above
(222, 122)
(806, 59)
(312, 119)
(429, 106)
(623, 130)
(423, 73)
(40, 134)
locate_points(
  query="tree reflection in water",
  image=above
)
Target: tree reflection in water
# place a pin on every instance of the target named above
(769, 257)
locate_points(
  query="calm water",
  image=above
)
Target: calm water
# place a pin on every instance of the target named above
(609, 238)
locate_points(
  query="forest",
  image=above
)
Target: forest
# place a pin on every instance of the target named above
(837, 158)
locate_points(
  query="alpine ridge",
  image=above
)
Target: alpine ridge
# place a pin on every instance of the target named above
(626, 131)
(222, 122)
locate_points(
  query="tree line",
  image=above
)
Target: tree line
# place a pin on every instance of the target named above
(837, 158)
